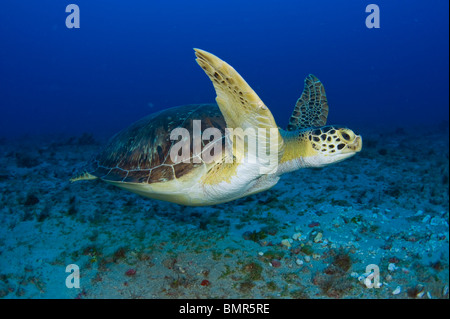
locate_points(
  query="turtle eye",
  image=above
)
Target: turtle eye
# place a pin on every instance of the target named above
(345, 136)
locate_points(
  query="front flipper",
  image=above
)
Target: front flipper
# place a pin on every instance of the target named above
(311, 109)
(239, 104)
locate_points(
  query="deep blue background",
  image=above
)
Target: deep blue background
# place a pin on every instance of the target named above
(127, 54)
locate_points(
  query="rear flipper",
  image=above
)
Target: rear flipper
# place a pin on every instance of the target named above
(82, 177)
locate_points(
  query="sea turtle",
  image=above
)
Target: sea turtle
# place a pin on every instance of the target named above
(206, 154)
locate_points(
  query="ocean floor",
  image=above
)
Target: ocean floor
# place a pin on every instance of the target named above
(311, 236)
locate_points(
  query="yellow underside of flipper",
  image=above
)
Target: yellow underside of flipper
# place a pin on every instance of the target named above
(220, 172)
(240, 105)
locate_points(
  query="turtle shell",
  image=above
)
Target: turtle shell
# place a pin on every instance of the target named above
(140, 153)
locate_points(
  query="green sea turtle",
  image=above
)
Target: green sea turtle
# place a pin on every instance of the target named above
(205, 154)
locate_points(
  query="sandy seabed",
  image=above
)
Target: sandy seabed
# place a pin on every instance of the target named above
(311, 236)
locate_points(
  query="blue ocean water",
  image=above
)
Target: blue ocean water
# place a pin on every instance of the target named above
(126, 57)
(65, 91)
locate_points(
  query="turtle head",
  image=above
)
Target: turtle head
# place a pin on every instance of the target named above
(328, 144)
(309, 141)
(318, 147)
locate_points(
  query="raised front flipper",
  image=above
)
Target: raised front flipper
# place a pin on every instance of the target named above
(240, 105)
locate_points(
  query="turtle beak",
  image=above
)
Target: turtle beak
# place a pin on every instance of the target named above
(352, 148)
(351, 140)
(356, 145)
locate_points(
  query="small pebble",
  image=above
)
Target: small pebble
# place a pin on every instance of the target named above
(296, 236)
(392, 267)
(307, 259)
(299, 262)
(318, 238)
(421, 291)
(275, 263)
(260, 253)
(286, 242)
(314, 224)
(130, 272)
(354, 274)
(397, 290)
(205, 283)
(445, 291)
(426, 219)
(435, 221)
